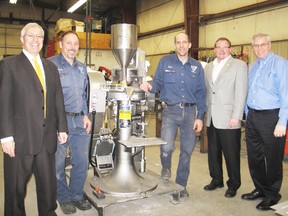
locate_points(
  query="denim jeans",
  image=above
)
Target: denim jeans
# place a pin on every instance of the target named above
(175, 117)
(78, 142)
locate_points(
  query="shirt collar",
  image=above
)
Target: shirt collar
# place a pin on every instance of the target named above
(190, 60)
(64, 61)
(31, 57)
(222, 62)
(266, 58)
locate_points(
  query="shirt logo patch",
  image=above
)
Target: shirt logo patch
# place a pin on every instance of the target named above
(193, 68)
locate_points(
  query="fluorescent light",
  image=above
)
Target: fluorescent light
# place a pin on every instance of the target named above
(75, 6)
(13, 1)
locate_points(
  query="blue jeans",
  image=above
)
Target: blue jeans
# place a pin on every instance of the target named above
(78, 142)
(174, 117)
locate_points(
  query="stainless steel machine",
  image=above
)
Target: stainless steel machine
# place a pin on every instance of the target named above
(125, 177)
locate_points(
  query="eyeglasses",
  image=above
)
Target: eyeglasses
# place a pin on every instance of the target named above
(223, 47)
(32, 36)
(260, 45)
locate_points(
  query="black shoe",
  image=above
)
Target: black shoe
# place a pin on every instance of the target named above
(230, 193)
(82, 204)
(255, 194)
(184, 193)
(67, 208)
(165, 174)
(213, 186)
(267, 202)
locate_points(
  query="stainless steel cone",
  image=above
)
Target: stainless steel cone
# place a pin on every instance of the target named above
(124, 44)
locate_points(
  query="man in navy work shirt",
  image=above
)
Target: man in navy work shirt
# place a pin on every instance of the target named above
(74, 80)
(180, 80)
(267, 108)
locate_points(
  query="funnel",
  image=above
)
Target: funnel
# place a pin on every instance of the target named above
(124, 45)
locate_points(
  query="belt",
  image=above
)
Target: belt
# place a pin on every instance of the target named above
(179, 104)
(74, 114)
(263, 111)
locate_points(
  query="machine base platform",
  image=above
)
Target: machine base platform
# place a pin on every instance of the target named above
(163, 187)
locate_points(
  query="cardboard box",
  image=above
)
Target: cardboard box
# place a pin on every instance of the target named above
(64, 24)
(98, 40)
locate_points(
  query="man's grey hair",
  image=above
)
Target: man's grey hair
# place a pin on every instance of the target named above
(31, 25)
(260, 35)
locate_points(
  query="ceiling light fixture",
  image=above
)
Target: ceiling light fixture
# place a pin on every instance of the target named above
(75, 6)
(13, 1)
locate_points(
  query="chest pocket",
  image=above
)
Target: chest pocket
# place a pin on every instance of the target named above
(267, 80)
(67, 78)
(83, 79)
(170, 77)
(64, 78)
(193, 72)
(195, 75)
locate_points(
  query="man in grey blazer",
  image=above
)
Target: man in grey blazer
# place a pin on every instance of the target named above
(226, 82)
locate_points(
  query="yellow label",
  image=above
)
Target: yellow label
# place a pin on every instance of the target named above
(125, 114)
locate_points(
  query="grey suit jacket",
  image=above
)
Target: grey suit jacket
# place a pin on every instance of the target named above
(226, 97)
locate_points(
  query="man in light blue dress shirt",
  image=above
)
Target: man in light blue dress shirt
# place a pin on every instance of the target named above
(267, 114)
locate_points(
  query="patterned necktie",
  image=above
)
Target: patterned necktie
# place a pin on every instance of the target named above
(41, 78)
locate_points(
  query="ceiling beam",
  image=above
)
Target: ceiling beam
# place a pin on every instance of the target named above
(161, 30)
(242, 10)
(21, 21)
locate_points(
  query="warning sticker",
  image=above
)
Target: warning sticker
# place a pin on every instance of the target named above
(125, 112)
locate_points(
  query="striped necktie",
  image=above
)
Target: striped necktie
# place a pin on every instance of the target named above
(41, 78)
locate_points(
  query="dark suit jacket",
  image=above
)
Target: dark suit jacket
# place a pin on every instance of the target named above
(21, 105)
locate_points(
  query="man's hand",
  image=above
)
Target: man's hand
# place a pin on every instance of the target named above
(198, 125)
(280, 131)
(62, 137)
(233, 123)
(87, 124)
(146, 86)
(9, 148)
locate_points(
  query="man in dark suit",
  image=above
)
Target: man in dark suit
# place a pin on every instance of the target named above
(32, 114)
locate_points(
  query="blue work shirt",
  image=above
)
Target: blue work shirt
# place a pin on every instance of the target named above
(74, 81)
(180, 83)
(268, 85)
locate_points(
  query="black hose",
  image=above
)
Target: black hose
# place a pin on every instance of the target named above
(93, 163)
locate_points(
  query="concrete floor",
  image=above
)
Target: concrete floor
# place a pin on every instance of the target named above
(200, 202)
